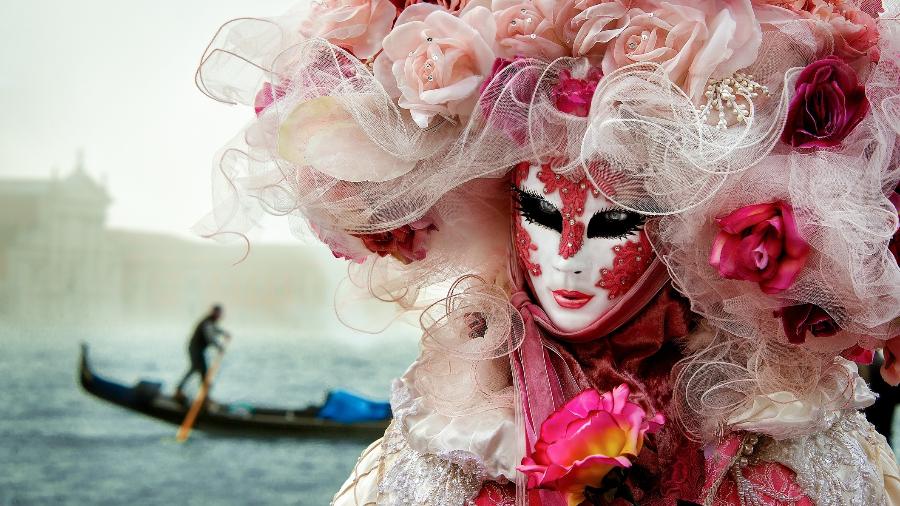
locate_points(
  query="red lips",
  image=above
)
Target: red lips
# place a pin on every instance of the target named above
(571, 299)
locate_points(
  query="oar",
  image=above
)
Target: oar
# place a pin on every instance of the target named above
(185, 430)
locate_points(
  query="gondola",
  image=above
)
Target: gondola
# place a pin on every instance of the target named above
(146, 397)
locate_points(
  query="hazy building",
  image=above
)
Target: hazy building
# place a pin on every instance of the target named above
(59, 263)
(54, 254)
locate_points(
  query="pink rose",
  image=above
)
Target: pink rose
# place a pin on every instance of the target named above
(797, 320)
(572, 95)
(357, 26)
(434, 62)
(524, 28)
(760, 243)
(585, 439)
(692, 41)
(828, 104)
(448, 5)
(890, 369)
(854, 30)
(407, 243)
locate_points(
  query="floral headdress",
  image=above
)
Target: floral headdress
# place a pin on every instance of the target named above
(763, 135)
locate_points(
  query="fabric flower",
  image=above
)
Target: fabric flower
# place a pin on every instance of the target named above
(800, 319)
(572, 95)
(358, 26)
(828, 104)
(760, 243)
(434, 62)
(894, 244)
(515, 86)
(859, 355)
(267, 96)
(890, 369)
(524, 28)
(855, 31)
(322, 135)
(448, 5)
(693, 41)
(585, 439)
(407, 243)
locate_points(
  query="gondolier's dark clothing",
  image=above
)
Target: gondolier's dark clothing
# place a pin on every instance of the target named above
(205, 335)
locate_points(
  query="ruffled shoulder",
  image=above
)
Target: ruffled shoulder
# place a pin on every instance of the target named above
(479, 433)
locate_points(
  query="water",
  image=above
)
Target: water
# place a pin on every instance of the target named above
(60, 446)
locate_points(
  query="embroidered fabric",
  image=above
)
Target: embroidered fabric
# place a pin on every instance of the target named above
(419, 479)
(632, 259)
(837, 467)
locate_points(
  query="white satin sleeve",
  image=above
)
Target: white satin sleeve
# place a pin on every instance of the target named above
(478, 432)
(783, 414)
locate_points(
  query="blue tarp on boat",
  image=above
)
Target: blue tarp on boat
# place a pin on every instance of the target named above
(345, 407)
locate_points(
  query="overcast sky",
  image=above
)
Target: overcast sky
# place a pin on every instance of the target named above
(116, 78)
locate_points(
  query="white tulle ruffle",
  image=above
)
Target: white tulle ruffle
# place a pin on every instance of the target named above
(785, 414)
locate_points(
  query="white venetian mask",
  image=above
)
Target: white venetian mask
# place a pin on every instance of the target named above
(580, 250)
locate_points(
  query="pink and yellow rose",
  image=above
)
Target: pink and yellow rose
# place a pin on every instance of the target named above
(585, 439)
(760, 243)
(435, 62)
(357, 26)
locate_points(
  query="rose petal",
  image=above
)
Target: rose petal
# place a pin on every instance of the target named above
(746, 217)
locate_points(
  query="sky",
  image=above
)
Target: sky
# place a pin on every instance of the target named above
(116, 79)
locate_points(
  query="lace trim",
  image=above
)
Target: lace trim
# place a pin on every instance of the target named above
(838, 466)
(419, 479)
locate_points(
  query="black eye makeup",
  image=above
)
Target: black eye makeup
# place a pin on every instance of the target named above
(614, 223)
(536, 209)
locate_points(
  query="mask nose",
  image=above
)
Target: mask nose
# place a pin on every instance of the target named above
(575, 264)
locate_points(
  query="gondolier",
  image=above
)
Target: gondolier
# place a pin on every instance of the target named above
(205, 334)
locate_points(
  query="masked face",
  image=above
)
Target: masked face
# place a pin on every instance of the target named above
(580, 250)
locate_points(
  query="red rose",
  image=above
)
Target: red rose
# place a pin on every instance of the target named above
(760, 243)
(828, 104)
(859, 355)
(803, 318)
(407, 243)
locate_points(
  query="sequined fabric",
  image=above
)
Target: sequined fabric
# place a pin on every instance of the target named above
(839, 466)
(836, 467)
(415, 479)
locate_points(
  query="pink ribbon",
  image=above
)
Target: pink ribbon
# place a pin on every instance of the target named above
(544, 385)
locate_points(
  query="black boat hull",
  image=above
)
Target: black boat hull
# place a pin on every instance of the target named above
(147, 398)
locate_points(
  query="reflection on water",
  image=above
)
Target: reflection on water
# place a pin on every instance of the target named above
(60, 446)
